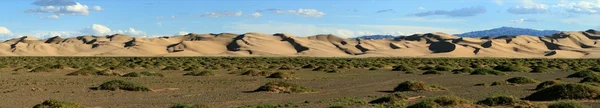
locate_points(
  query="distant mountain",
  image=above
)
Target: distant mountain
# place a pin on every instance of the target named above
(375, 37)
(508, 31)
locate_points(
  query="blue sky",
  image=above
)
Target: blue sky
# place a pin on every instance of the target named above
(349, 18)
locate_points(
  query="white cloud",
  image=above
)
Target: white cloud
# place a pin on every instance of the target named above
(222, 14)
(97, 8)
(462, 12)
(583, 6)
(420, 8)
(97, 29)
(256, 15)
(313, 13)
(54, 17)
(529, 9)
(62, 7)
(519, 21)
(4, 31)
(131, 32)
(182, 33)
(339, 30)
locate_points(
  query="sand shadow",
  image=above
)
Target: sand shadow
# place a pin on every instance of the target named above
(387, 91)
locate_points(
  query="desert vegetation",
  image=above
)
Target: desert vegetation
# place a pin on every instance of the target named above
(341, 82)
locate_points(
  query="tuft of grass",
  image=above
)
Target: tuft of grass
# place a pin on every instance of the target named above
(546, 84)
(394, 100)
(463, 70)
(567, 104)
(256, 72)
(486, 71)
(510, 68)
(416, 86)
(429, 72)
(540, 69)
(200, 73)
(57, 104)
(404, 67)
(122, 85)
(565, 91)
(443, 68)
(500, 101)
(172, 68)
(88, 71)
(443, 101)
(590, 79)
(583, 74)
(282, 75)
(521, 80)
(497, 83)
(283, 87)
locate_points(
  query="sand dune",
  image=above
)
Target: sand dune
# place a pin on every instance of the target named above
(582, 44)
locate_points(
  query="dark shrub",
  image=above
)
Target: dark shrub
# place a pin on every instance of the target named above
(539, 69)
(595, 68)
(582, 74)
(404, 68)
(141, 74)
(281, 75)
(256, 72)
(521, 80)
(443, 68)
(416, 86)
(394, 100)
(444, 101)
(200, 73)
(565, 91)
(591, 79)
(283, 87)
(57, 104)
(181, 105)
(507, 68)
(463, 70)
(486, 71)
(546, 84)
(500, 101)
(431, 72)
(171, 68)
(496, 83)
(122, 85)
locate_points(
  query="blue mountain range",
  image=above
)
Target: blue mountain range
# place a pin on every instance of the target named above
(502, 31)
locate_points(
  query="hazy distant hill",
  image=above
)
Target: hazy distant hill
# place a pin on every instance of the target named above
(376, 37)
(508, 31)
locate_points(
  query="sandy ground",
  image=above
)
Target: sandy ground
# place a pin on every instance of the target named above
(25, 89)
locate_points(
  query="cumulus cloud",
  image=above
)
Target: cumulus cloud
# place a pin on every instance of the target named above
(384, 11)
(256, 15)
(97, 29)
(462, 12)
(299, 12)
(54, 17)
(529, 9)
(584, 7)
(420, 8)
(62, 7)
(182, 33)
(519, 21)
(4, 32)
(339, 30)
(222, 14)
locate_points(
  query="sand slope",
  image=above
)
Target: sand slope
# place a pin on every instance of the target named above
(581, 44)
